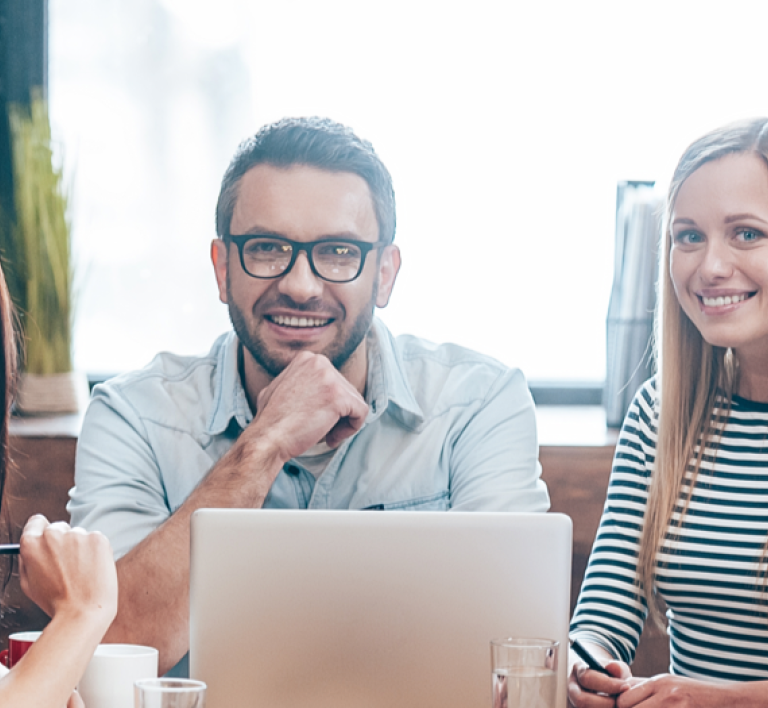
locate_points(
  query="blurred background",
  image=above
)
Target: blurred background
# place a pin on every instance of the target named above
(506, 127)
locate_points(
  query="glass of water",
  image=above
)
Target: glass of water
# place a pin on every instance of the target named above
(524, 672)
(169, 693)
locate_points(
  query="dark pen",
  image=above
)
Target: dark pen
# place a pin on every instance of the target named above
(9, 549)
(590, 660)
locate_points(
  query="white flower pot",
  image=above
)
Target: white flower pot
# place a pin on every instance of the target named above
(52, 393)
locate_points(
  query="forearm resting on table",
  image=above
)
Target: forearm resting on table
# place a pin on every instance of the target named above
(153, 602)
(749, 694)
(50, 670)
(669, 691)
(153, 598)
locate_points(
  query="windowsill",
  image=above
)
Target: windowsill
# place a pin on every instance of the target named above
(574, 426)
(46, 426)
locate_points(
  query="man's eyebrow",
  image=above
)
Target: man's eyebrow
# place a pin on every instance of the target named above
(259, 231)
(349, 235)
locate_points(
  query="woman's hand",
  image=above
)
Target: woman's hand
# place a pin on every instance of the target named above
(591, 689)
(70, 574)
(668, 691)
(66, 570)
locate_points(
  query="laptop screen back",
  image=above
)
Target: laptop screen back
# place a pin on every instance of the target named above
(344, 609)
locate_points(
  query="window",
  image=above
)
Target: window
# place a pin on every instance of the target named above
(505, 123)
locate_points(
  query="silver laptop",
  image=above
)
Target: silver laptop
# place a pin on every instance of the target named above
(367, 609)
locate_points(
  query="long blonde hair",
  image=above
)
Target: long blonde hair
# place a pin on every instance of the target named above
(690, 372)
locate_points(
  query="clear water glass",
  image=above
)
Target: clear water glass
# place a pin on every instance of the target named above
(169, 693)
(524, 672)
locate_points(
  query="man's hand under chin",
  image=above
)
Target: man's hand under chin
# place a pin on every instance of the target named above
(310, 400)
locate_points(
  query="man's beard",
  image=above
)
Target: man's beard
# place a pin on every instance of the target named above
(339, 351)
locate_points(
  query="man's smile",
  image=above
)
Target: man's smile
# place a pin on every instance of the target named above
(300, 322)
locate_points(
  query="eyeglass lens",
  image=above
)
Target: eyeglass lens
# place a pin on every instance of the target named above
(267, 258)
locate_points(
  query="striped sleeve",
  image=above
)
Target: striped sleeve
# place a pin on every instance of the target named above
(611, 610)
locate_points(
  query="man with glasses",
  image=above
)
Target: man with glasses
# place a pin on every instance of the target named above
(310, 402)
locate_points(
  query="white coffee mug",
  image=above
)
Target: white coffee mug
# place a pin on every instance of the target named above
(108, 680)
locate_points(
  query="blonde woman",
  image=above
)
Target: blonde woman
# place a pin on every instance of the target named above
(67, 572)
(685, 525)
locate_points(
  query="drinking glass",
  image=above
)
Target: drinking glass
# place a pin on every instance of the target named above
(169, 693)
(524, 672)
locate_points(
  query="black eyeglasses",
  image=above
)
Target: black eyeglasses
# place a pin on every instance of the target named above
(337, 260)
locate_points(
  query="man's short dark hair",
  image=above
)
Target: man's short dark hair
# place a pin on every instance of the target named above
(315, 142)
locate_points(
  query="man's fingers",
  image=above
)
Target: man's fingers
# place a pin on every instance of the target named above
(350, 423)
(358, 411)
(339, 433)
(309, 400)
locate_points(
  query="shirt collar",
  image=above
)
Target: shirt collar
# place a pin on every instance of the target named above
(230, 401)
(387, 385)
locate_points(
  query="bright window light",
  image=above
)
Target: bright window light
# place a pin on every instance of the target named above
(505, 125)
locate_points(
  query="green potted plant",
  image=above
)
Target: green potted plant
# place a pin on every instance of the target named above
(37, 262)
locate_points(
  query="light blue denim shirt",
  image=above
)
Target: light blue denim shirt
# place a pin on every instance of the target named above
(447, 429)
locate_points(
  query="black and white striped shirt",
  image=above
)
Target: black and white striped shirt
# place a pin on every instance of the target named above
(708, 575)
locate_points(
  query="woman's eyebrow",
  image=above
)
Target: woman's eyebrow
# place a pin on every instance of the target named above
(746, 215)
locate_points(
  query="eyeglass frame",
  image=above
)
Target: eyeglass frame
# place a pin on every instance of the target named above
(298, 246)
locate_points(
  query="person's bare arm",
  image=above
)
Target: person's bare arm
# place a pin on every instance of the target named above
(70, 575)
(310, 400)
(668, 691)
(153, 609)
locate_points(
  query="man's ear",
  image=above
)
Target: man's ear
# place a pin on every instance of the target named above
(389, 267)
(219, 258)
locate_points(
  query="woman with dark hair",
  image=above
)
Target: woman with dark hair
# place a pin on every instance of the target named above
(685, 525)
(69, 573)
